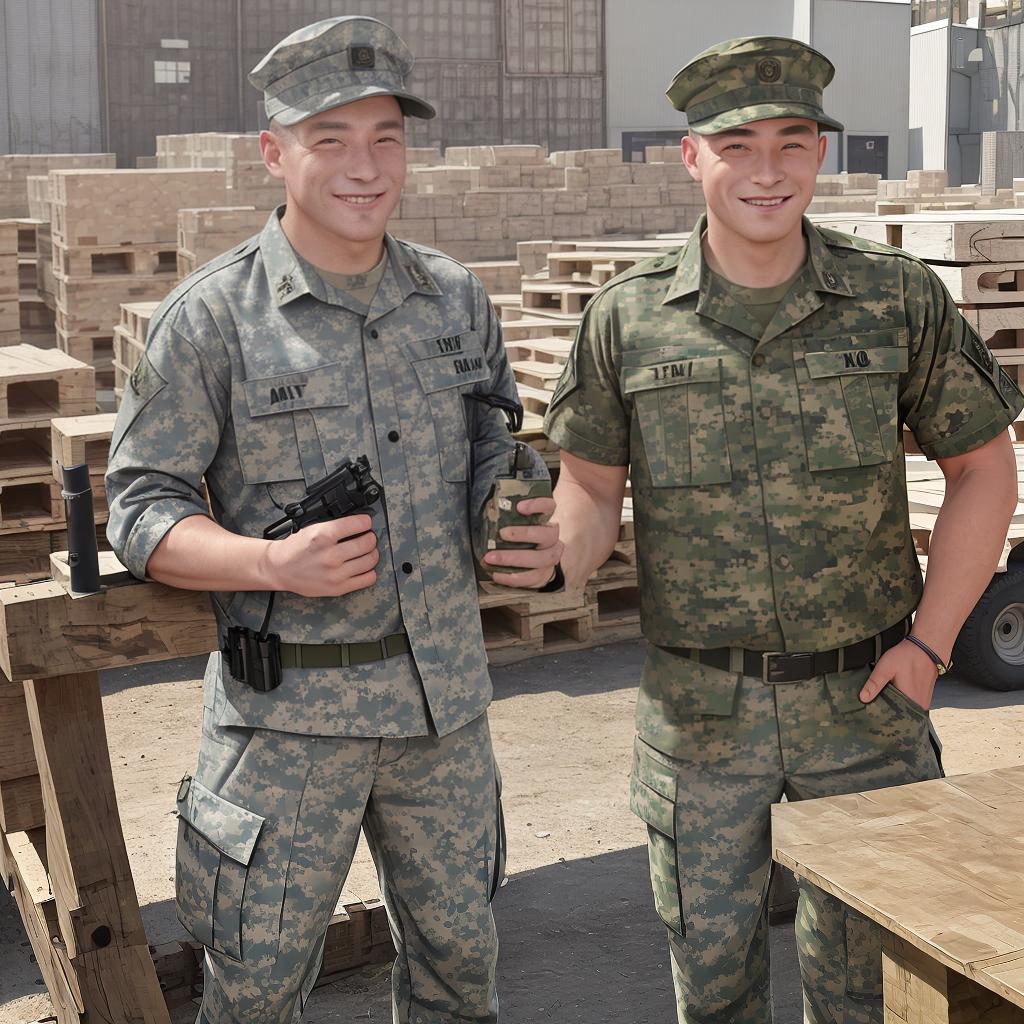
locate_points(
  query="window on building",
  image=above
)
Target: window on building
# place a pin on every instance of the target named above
(172, 72)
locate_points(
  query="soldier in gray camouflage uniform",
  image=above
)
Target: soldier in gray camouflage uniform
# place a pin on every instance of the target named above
(319, 340)
(756, 383)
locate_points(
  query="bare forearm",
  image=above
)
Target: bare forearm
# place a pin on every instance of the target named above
(198, 554)
(588, 527)
(965, 547)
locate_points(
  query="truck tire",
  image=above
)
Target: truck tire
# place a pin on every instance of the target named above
(990, 648)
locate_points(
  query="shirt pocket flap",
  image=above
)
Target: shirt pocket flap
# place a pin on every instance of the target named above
(860, 360)
(449, 362)
(315, 388)
(705, 370)
(231, 829)
(652, 793)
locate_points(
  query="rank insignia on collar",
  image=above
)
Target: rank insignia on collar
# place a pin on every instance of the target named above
(285, 286)
(830, 279)
(419, 276)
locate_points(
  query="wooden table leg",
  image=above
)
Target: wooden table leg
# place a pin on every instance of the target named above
(101, 930)
(920, 990)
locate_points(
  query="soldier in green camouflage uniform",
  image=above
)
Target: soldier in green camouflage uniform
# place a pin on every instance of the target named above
(756, 384)
(323, 339)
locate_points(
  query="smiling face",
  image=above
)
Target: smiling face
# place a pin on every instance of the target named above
(757, 179)
(343, 170)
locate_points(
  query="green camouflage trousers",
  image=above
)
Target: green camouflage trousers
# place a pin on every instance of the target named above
(704, 783)
(267, 831)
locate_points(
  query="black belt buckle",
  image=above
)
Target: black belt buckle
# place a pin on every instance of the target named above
(773, 671)
(252, 659)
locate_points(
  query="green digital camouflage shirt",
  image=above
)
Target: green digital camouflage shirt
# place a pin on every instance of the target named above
(768, 482)
(260, 379)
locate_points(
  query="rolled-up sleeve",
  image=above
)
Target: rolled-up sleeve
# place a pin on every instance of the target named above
(167, 432)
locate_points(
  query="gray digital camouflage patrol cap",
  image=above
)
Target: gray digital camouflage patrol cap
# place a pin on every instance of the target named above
(334, 62)
(753, 79)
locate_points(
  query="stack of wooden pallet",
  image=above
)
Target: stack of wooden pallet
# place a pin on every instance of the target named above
(10, 318)
(980, 258)
(36, 313)
(115, 240)
(35, 386)
(16, 168)
(130, 341)
(205, 234)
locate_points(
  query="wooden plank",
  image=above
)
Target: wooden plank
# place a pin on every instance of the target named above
(17, 757)
(21, 803)
(124, 625)
(97, 907)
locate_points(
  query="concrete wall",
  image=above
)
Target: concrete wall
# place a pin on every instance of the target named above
(929, 96)
(648, 41)
(49, 77)
(867, 40)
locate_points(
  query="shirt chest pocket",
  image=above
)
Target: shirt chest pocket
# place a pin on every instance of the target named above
(681, 413)
(849, 399)
(275, 424)
(446, 368)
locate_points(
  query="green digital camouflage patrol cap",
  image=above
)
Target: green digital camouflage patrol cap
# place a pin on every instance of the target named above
(334, 62)
(752, 79)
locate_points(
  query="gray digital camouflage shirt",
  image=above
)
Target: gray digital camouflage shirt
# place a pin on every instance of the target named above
(260, 379)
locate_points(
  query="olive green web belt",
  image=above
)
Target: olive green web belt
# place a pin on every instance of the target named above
(343, 655)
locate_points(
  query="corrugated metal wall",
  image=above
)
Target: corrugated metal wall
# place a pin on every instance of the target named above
(498, 70)
(648, 41)
(929, 96)
(869, 44)
(49, 77)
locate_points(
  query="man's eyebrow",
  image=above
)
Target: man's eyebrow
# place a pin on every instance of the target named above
(797, 129)
(342, 126)
(743, 133)
(792, 129)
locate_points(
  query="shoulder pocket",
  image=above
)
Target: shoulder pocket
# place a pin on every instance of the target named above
(265, 425)
(681, 414)
(849, 398)
(216, 840)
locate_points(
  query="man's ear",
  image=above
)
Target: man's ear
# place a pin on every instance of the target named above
(690, 147)
(271, 149)
(822, 149)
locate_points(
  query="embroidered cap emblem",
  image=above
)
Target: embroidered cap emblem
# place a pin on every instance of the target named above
(361, 57)
(769, 70)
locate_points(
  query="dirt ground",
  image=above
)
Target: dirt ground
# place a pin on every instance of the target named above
(580, 942)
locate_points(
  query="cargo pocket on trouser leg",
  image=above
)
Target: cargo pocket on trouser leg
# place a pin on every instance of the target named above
(216, 840)
(652, 799)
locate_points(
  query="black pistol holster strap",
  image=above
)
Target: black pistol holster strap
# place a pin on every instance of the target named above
(343, 655)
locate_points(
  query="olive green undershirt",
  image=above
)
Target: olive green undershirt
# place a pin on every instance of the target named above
(760, 303)
(361, 287)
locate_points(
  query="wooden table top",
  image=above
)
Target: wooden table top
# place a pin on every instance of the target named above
(940, 864)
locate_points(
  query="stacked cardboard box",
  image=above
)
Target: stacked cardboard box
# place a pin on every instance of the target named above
(16, 168)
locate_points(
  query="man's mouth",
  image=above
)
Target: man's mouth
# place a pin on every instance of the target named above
(766, 201)
(358, 200)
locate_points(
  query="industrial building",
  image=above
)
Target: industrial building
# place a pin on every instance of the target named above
(113, 74)
(867, 40)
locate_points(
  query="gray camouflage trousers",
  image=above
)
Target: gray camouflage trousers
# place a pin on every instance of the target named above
(707, 811)
(267, 831)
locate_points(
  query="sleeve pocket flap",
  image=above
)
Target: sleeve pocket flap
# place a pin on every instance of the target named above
(859, 360)
(315, 388)
(668, 374)
(231, 829)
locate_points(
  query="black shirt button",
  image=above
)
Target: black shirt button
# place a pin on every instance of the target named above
(374, 334)
(393, 435)
(407, 568)
(758, 359)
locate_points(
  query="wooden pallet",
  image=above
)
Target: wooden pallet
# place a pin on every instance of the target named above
(88, 262)
(591, 268)
(526, 328)
(38, 384)
(555, 297)
(78, 439)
